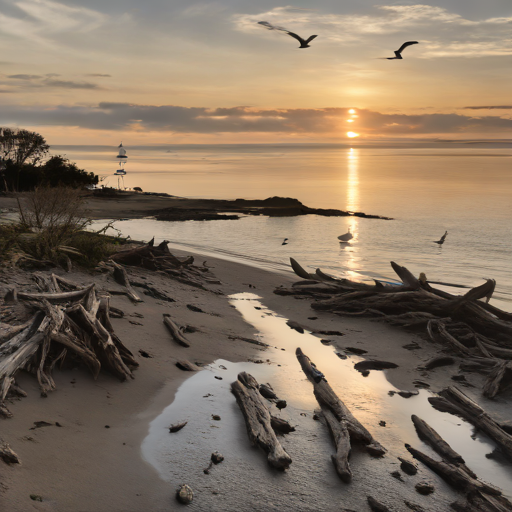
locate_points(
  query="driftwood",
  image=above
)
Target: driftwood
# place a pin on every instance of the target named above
(159, 258)
(456, 402)
(187, 366)
(121, 277)
(7, 454)
(68, 325)
(463, 325)
(479, 502)
(176, 334)
(258, 420)
(453, 475)
(344, 427)
(432, 438)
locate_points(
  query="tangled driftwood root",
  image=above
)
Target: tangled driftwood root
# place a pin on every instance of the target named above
(160, 258)
(473, 330)
(70, 322)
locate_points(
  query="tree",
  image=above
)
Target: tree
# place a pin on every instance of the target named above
(22, 146)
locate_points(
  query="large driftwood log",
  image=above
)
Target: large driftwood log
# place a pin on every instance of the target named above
(479, 502)
(343, 426)
(455, 401)
(52, 297)
(258, 420)
(176, 334)
(453, 475)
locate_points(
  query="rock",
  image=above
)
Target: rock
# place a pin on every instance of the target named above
(370, 364)
(397, 475)
(215, 417)
(217, 377)
(312, 318)
(325, 342)
(408, 394)
(194, 308)
(365, 373)
(424, 488)
(407, 466)
(295, 325)
(382, 423)
(143, 353)
(340, 355)
(266, 391)
(420, 384)
(184, 494)
(217, 457)
(357, 351)
(413, 506)
(376, 506)
(281, 404)
(36, 497)
(176, 427)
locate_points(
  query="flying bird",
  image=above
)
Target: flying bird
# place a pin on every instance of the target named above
(303, 42)
(285, 241)
(442, 239)
(346, 237)
(398, 53)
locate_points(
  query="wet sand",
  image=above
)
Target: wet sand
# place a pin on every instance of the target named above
(95, 461)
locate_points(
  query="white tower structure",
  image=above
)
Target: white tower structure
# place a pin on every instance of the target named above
(120, 172)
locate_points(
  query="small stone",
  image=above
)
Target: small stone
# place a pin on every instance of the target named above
(107, 426)
(382, 423)
(36, 497)
(217, 457)
(391, 393)
(341, 356)
(312, 318)
(184, 494)
(459, 378)
(397, 475)
(408, 394)
(215, 417)
(424, 488)
(218, 377)
(281, 404)
(325, 342)
(365, 373)
(407, 467)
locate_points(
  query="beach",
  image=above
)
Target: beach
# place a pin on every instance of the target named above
(94, 462)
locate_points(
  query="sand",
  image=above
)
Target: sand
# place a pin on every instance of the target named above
(93, 461)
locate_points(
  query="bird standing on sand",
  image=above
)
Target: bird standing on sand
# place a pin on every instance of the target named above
(398, 53)
(303, 42)
(346, 237)
(442, 239)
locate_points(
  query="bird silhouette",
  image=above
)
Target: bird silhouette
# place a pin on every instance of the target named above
(303, 42)
(442, 239)
(398, 53)
(346, 237)
(285, 241)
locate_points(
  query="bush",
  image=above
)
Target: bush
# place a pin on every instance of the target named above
(55, 215)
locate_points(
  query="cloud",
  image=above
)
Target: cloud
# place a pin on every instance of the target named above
(66, 84)
(99, 75)
(49, 81)
(201, 120)
(491, 107)
(25, 77)
(41, 20)
(453, 34)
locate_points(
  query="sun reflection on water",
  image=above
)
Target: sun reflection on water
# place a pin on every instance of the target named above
(351, 251)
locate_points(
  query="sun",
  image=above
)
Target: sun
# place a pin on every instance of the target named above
(351, 111)
(352, 134)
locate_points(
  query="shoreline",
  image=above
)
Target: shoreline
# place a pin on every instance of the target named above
(85, 466)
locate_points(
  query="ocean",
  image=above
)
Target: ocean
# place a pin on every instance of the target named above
(427, 187)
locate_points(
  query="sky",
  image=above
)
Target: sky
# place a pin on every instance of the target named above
(190, 71)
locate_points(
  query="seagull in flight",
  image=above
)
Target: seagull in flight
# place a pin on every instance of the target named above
(442, 239)
(303, 42)
(398, 53)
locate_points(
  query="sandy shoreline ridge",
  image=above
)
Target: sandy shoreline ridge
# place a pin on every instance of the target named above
(92, 461)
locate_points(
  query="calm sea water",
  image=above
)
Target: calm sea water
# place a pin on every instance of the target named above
(428, 188)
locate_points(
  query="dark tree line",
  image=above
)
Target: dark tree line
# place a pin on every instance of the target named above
(24, 164)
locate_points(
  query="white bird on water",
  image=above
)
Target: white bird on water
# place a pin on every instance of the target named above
(346, 237)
